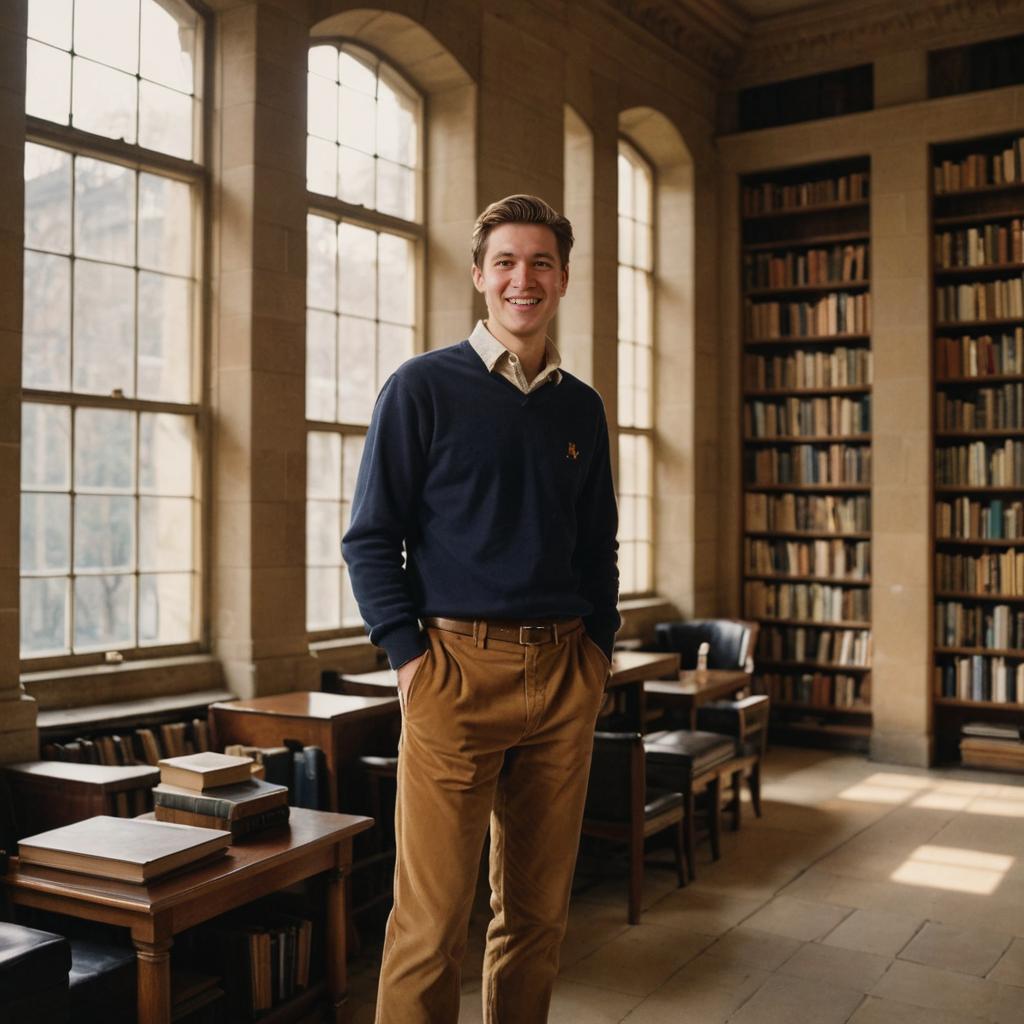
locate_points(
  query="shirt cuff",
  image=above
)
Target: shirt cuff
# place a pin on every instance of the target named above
(404, 644)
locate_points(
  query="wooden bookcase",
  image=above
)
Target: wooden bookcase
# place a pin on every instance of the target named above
(806, 430)
(978, 428)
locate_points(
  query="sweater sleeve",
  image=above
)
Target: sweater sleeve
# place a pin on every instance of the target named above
(383, 507)
(596, 554)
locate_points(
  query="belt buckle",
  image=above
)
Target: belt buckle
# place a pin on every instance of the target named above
(545, 630)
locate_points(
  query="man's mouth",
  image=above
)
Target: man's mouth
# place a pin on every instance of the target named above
(523, 302)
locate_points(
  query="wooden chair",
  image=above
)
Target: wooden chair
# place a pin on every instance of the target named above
(731, 642)
(620, 807)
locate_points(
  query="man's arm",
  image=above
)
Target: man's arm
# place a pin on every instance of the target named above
(386, 495)
(596, 552)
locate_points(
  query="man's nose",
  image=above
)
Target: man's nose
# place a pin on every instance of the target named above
(522, 277)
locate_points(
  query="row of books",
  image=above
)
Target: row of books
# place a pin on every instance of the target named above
(980, 677)
(809, 464)
(980, 246)
(836, 558)
(820, 513)
(814, 602)
(838, 368)
(979, 169)
(992, 408)
(842, 647)
(996, 745)
(839, 264)
(994, 572)
(834, 416)
(967, 518)
(820, 689)
(980, 464)
(997, 627)
(980, 301)
(832, 314)
(138, 746)
(771, 196)
(984, 356)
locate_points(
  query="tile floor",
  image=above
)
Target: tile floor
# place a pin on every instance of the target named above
(868, 894)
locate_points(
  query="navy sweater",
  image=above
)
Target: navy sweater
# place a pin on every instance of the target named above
(503, 501)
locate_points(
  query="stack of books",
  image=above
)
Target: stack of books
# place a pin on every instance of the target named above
(992, 745)
(212, 790)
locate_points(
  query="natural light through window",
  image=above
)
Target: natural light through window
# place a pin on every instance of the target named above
(952, 868)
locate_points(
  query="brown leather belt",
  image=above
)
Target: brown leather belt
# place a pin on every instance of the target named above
(526, 633)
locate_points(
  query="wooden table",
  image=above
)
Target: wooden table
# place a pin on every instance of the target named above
(315, 842)
(694, 687)
(344, 727)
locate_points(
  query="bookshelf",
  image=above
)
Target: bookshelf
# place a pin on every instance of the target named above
(978, 435)
(806, 400)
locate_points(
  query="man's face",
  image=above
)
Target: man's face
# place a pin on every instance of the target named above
(521, 278)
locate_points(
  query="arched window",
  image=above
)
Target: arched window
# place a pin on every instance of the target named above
(636, 385)
(364, 234)
(110, 517)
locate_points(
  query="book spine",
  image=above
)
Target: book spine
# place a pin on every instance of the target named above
(195, 803)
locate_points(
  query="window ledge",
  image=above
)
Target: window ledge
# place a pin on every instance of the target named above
(639, 614)
(346, 654)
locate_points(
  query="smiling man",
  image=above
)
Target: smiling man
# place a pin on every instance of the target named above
(487, 466)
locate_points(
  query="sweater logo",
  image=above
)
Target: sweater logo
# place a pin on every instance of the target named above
(573, 452)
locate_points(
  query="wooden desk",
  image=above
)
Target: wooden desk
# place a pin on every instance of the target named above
(381, 682)
(343, 727)
(693, 688)
(315, 842)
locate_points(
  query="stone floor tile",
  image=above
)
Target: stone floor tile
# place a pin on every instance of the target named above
(888, 1011)
(591, 925)
(797, 919)
(847, 968)
(937, 989)
(639, 960)
(785, 1000)
(1010, 969)
(757, 949)
(969, 951)
(874, 931)
(704, 911)
(572, 1003)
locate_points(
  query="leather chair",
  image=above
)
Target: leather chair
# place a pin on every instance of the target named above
(622, 808)
(34, 969)
(691, 762)
(746, 720)
(731, 642)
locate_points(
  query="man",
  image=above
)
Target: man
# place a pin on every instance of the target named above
(489, 465)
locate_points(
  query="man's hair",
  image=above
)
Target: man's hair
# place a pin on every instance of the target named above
(521, 209)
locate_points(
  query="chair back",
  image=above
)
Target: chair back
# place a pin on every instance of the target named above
(730, 641)
(616, 777)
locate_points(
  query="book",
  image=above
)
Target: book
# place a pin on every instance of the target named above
(992, 730)
(129, 849)
(264, 821)
(240, 800)
(204, 771)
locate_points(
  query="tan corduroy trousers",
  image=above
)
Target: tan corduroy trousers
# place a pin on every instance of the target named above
(500, 734)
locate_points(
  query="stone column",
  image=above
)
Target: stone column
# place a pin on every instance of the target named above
(18, 739)
(258, 355)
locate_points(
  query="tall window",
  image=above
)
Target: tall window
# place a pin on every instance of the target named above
(636, 393)
(110, 420)
(363, 230)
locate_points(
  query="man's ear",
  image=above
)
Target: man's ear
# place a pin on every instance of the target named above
(478, 279)
(565, 279)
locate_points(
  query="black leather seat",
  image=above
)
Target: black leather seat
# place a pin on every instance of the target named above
(691, 762)
(731, 642)
(34, 969)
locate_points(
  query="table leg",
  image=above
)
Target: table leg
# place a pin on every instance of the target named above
(153, 961)
(335, 945)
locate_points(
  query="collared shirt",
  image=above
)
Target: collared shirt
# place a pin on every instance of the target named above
(499, 359)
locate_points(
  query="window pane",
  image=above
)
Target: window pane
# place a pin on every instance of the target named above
(323, 465)
(323, 600)
(627, 310)
(323, 61)
(103, 101)
(321, 365)
(355, 74)
(50, 21)
(104, 211)
(396, 126)
(355, 177)
(165, 338)
(321, 262)
(354, 444)
(44, 616)
(45, 520)
(644, 576)
(47, 83)
(45, 447)
(108, 31)
(103, 612)
(627, 464)
(104, 450)
(47, 198)
(357, 270)
(395, 345)
(625, 187)
(165, 608)
(643, 247)
(323, 533)
(642, 294)
(168, 42)
(626, 400)
(165, 120)
(321, 166)
(104, 532)
(357, 121)
(103, 356)
(396, 190)
(322, 105)
(642, 194)
(46, 353)
(625, 240)
(357, 387)
(166, 447)
(165, 534)
(396, 279)
(165, 224)
(349, 609)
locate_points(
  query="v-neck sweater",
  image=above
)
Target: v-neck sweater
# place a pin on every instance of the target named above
(504, 504)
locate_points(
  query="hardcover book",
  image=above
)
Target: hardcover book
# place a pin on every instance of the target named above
(207, 770)
(240, 800)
